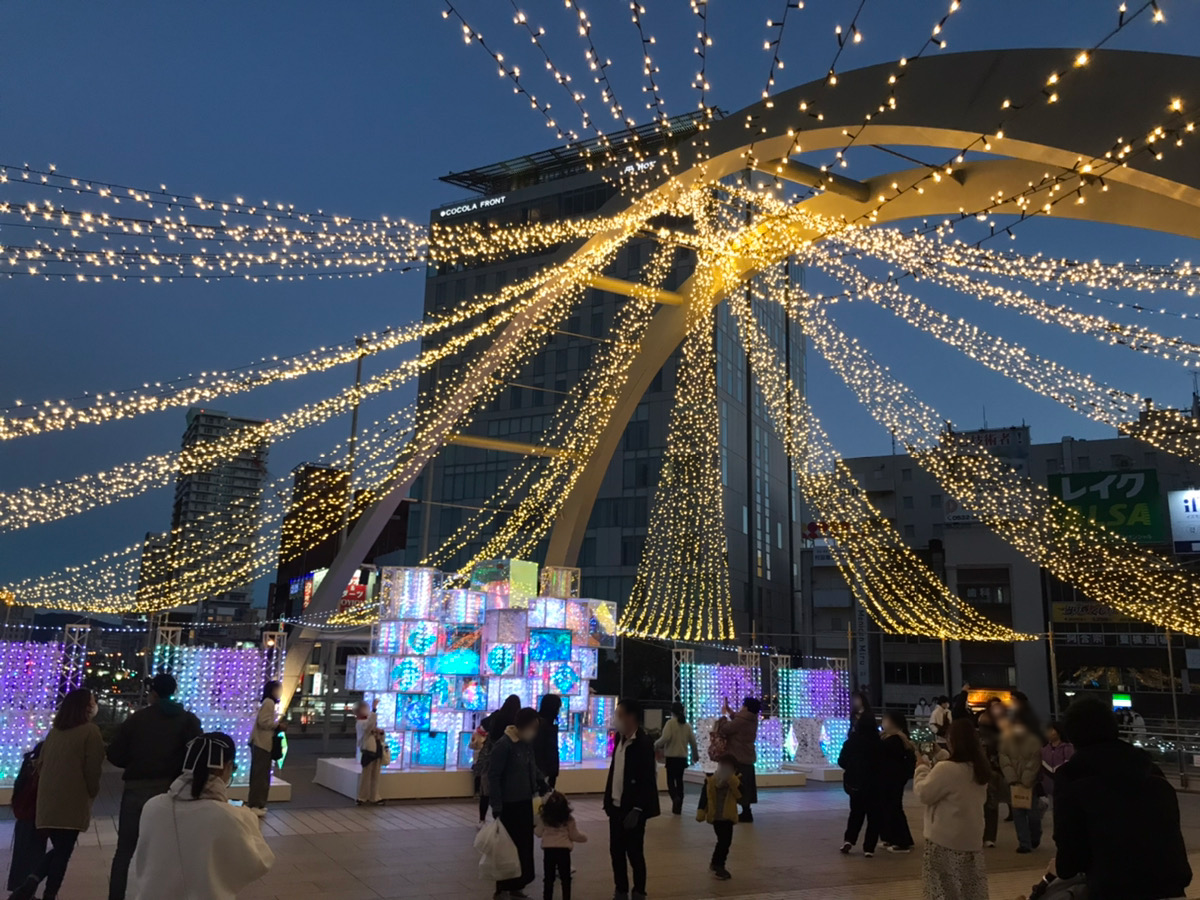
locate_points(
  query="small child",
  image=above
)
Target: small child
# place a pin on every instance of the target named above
(719, 807)
(556, 828)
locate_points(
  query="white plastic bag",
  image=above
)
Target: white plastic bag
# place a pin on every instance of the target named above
(498, 859)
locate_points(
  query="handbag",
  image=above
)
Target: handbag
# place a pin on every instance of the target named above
(717, 745)
(367, 757)
(1022, 797)
(385, 752)
(277, 746)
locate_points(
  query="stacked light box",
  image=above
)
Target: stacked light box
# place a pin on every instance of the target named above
(222, 686)
(803, 693)
(443, 657)
(32, 675)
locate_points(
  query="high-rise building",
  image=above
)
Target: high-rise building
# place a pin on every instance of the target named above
(760, 503)
(215, 518)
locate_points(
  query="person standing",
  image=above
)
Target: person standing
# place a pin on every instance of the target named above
(559, 833)
(953, 793)
(370, 752)
(1116, 818)
(630, 799)
(960, 707)
(545, 745)
(897, 757)
(740, 731)
(68, 782)
(262, 744)
(1021, 764)
(718, 807)
(1054, 755)
(490, 730)
(28, 844)
(989, 739)
(514, 779)
(194, 842)
(922, 710)
(676, 740)
(149, 746)
(859, 760)
(939, 720)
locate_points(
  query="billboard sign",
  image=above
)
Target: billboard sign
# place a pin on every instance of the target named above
(1084, 612)
(1184, 509)
(1125, 502)
(1010, 444)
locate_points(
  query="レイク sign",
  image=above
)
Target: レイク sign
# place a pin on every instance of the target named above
(463, 208)
(1125, 502)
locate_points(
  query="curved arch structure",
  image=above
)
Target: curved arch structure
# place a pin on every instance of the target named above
(945, 101)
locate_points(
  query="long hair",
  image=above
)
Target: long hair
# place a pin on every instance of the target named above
(679, 713)
(205, 756)
(269, 688)
(550, 707)
(965, 747)
(898, 719)
(556, 810)
(74, 710)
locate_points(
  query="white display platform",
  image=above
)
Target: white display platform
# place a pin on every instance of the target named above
(6, 796)
(775, 779)
(280, 792)
(341, 775)
(816, 773)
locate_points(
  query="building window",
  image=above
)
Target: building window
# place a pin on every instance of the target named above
(907, 502)
(631, 550)
(910, 532)
(1083, 463)
(906, 474)
(514, 397)
(637, 435)
(587, 552)
(938, 530)
(1052, 466)
(935, 501)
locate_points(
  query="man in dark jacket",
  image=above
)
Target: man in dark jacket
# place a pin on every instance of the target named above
(513, 779)
(545, 745)
(149, 746)
(630, 799)
(1116, 818)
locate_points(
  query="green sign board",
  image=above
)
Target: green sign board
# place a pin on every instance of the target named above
(1126, 502)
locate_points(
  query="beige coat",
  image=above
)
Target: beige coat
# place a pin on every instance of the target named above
(265, 723)
(69, 777)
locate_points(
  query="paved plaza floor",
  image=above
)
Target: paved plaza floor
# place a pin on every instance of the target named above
(327, 847)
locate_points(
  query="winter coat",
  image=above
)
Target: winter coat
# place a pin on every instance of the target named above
(707, 811)
(69, 777)
(640, 785)
(1021, 758)
(201, 849)
(1053, 758)
(265, 725)
(513, 777)
(677, 738)
(897, 759)
(1116, 818)
(859, 760)
(545, 747)
(740, 732)
(150, 744)
(953, 805)
(559, 837)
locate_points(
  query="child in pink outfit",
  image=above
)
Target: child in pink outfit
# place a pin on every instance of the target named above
(556, 827)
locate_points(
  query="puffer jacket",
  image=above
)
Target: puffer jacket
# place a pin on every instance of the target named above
(1021, 757)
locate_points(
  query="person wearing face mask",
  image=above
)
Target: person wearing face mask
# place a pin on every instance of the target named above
(630, 799)
(719, 807)
(513, 779)
(193, 842)
(68, 781)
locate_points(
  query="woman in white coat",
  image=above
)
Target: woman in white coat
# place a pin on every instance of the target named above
(370, 740)
(262, 742)
(194, 845)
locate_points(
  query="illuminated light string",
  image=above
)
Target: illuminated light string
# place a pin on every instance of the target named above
(900, 592)
(1138, 582)
(773, 45)
(598, 65)
(512, 73)
(649, 68)
(851, 36)
(1173, 431)
(703, 42)
(682, 585)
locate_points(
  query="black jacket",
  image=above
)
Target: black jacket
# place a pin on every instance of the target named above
(1117, 820)
(545, 747)
(959, 708)
(640, 788)
(859, 759)
(512, 775)
(896, 763)
(149, 744)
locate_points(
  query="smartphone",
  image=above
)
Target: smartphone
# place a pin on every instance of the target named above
(236, 803)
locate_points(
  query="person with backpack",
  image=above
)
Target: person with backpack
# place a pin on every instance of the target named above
(194, 843)
(262, 747)
(28, 844)
(68, 782)
(149, 746)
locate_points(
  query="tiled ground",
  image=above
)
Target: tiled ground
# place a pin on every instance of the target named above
(326, 847)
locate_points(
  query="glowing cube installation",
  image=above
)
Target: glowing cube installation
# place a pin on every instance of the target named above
(442, 657)
(31, 675)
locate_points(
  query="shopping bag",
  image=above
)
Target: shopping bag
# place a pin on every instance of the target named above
(385, 753)
(1022, 797)
(498, 860)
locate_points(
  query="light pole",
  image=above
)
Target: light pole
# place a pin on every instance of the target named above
(352, 447)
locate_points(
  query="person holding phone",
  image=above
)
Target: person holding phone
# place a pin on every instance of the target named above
(740, 731)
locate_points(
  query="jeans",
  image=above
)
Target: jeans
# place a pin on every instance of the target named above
(724, 833)
(556, 860)
(627, 844)
(675, 766)
(135, 796)
(260, 778)
(1028, 823)
(53, 866)
(517, 819)
(864, 806)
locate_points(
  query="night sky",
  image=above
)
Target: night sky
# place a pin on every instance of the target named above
(357, 108)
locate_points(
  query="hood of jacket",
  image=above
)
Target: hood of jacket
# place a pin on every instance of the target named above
(170, 708)
(512, 734)
(1110, 759)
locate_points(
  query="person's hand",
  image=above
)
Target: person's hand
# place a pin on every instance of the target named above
(375, 705)
(632, 818)
(923, 760)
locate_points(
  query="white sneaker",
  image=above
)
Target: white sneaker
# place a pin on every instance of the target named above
(989, 844)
